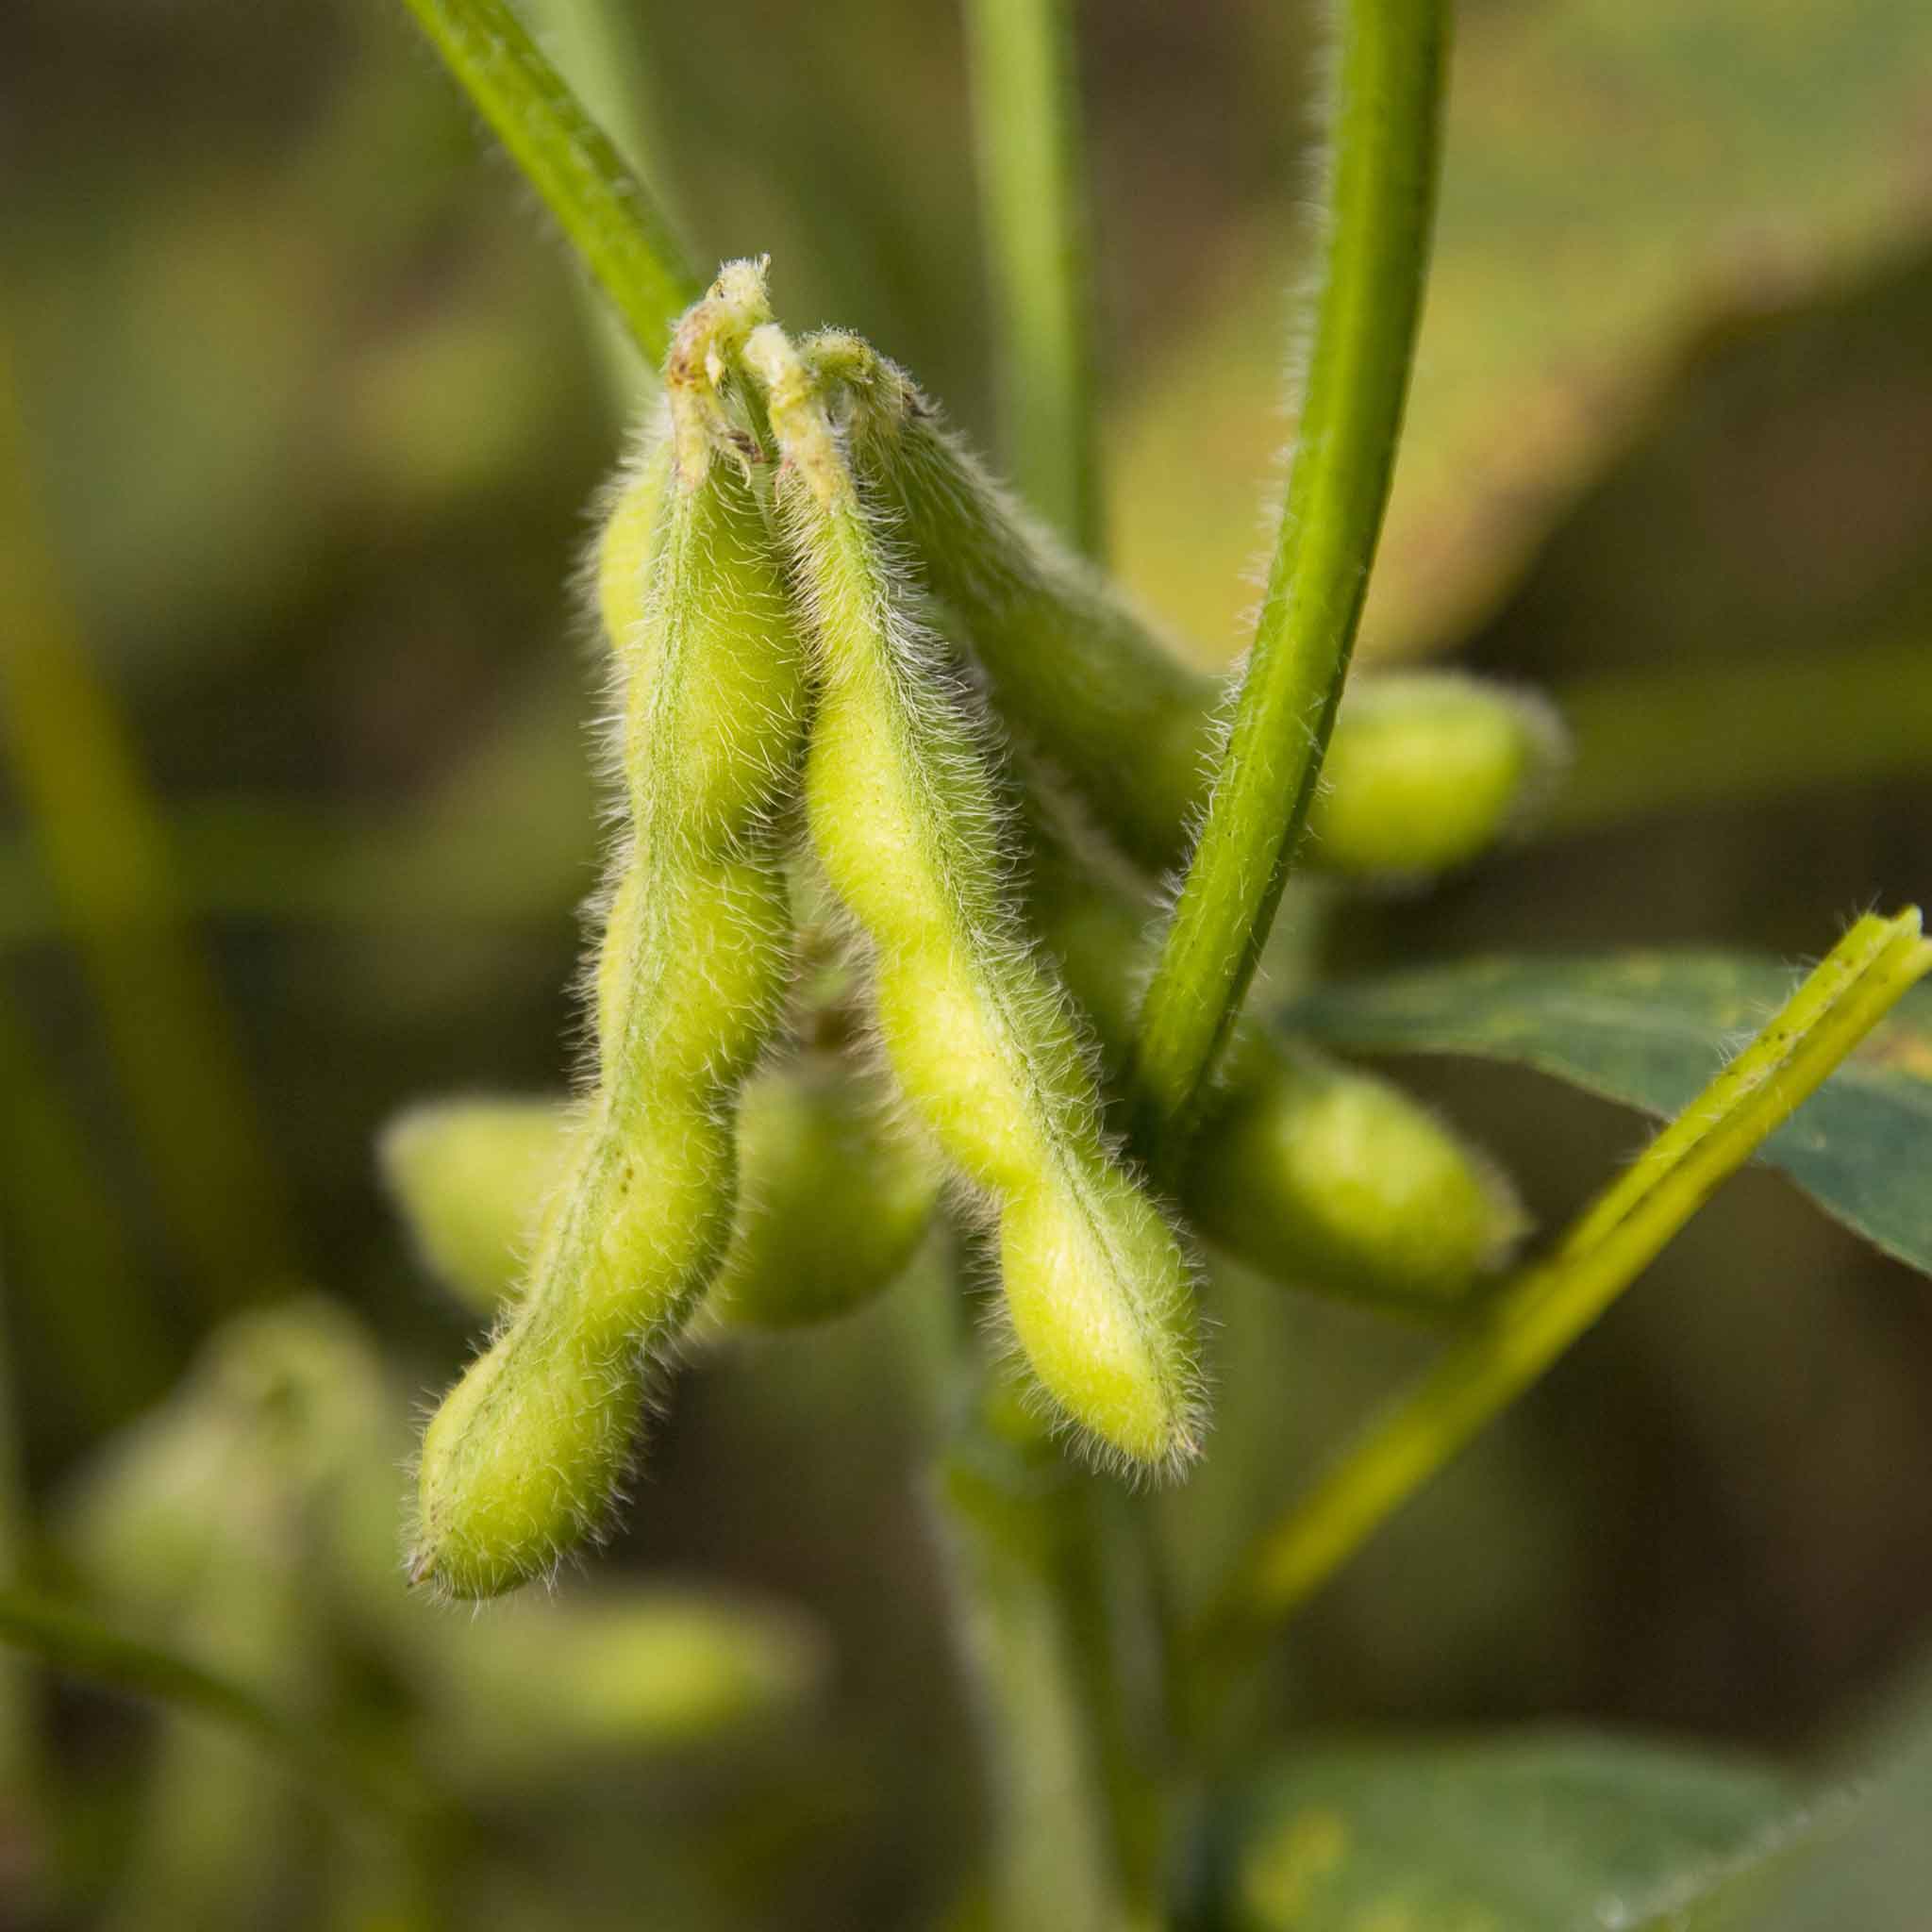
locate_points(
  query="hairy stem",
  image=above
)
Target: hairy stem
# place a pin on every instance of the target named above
(1387, 113)
(1026, 107)
(602, 207)
(600, 50)
(1552, 1303)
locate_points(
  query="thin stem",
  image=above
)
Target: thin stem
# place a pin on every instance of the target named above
(601, 207)
(1388, 108)
(1553, 1302)
(1045, 1619)
(64, 1243)
(600, 50)
(1026, 107)
(99, 836)
(1055, 1859)
(69, 1641)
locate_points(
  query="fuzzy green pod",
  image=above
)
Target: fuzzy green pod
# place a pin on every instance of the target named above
(522, 1461)
(837, 1198)
(833, 1199)
(470, 1178)
(618, 571)
(1310, 1171)
(902, 812)
(546, 1690)
(1426, 771)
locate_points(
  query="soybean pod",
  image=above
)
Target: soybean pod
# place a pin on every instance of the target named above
(1428, 770)
(901, 810)
(833, 1198)
(1310, 1171)
(524, 1458)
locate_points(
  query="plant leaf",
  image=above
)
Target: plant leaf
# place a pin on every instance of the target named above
(1522, 1835)
(1649, 1030)
(1857, 1856)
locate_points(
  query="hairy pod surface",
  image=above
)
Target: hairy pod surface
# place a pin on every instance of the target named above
(525, 1453)
(836, 1197)
(902, 812)
(833, 1201)
(1426, 770)
(1310, 1171)
(619, 564)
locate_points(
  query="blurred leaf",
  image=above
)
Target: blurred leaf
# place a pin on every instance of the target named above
(1649, 1030)
(1526, 1836)
(1618, 175)
(1859, 1858)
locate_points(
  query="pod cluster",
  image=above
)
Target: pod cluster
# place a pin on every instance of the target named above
(854, 681)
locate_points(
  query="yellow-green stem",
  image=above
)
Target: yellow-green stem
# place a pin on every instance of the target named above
(605, 210)
(1553, 1302)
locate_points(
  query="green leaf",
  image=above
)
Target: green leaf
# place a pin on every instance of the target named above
(1649, 1030)
(1533, 1834)
(1858, 1856)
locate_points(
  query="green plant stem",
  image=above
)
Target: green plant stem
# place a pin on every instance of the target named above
(1062, 1643)
(99, 838)
(1054, 1859)
(1551, 1303)
(1026, 109)
(1393, 56)
(600, 51)
(601, 207)
(64, 1241)
(69, 1640)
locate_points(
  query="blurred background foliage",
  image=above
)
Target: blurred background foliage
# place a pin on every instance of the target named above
(296, 816)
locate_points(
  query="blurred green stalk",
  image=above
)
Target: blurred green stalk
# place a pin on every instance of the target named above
(19, 1727)
(1026, 111)
(101, 845)
(1656, 742)
(63, 1238)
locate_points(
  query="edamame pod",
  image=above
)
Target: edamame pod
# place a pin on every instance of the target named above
(525, 1453)
(1426, 771)
(1308, 1171)
(901, 810)
(833, 1199)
